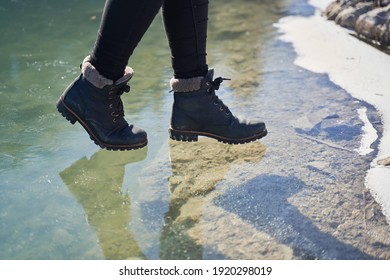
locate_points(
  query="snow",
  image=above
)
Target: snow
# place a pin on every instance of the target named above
(370, 135)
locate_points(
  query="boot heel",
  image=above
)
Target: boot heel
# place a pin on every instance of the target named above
(182, 136)
(65, 112)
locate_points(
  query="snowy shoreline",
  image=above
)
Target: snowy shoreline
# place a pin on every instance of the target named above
(360, 69)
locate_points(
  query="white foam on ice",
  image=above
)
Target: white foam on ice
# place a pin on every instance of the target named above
(370, 135)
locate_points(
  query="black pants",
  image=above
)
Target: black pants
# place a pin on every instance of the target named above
(125, 22)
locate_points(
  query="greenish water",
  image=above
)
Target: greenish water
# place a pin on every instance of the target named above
(62, 197)
(288, 196)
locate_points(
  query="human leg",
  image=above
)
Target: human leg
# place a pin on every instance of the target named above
(93, 99)
(124, 22)
(197, 110)
(185, 22)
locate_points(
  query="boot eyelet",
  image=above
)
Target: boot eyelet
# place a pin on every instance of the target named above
(110, 106)
(221, 109)
(114, 120)
(216, 103)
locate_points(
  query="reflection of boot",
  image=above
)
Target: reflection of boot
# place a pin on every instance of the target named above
(196, 169)
(96, 184)
(95, 103)
(197, 110)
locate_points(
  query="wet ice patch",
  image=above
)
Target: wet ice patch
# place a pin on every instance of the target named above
(332, 128)
(265, 203)
(361, 70)
(369, 133)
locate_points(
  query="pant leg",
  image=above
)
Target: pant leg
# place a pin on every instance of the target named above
(123, 24)
(185, 23)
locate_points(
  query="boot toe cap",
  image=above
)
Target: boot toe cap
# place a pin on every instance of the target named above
(127, 138)
(131, 135)
(258, 127)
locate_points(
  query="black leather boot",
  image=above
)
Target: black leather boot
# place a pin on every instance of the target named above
(94, 101)
(197, 111)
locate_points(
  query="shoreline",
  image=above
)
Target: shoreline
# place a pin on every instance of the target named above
(355, 66)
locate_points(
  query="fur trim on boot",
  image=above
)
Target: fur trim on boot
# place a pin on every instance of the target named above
(94, 77)
(186, 85)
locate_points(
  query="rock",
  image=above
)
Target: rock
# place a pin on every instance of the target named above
(385, 162)
(383, 3)
(374, 25)
(336, 7)
(369, 19)
(332, 11)
(347, 17)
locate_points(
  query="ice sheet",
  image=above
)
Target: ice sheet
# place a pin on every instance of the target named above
(362, 70)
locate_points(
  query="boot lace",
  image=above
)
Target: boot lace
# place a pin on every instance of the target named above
(212, 87)
(116, 103)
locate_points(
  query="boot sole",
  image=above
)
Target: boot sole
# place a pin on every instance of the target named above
(72, 117)
(192, 136)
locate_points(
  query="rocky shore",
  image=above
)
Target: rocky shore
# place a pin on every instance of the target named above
(368, 19)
